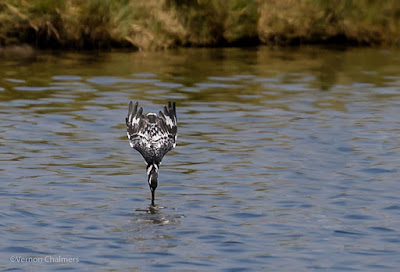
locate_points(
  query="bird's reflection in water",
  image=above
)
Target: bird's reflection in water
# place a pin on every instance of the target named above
(157, 215)
(153, 229)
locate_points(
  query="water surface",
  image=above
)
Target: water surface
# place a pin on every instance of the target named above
(287, 160)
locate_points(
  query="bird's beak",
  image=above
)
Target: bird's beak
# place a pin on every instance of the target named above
(152, 196)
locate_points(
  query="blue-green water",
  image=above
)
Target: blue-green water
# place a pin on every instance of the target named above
(287, 160)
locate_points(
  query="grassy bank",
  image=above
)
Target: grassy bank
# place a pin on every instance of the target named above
(155, 24)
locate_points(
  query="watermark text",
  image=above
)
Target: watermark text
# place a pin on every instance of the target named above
(44, 259)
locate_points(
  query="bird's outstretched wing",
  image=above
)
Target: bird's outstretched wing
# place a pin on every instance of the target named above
(135, 123)
(167, 122)
(153, 136)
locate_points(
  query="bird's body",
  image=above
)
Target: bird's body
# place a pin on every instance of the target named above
(153, 136)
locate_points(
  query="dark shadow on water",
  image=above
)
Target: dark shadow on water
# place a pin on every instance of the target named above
(157, 215)
(150, 229)
(150, 210)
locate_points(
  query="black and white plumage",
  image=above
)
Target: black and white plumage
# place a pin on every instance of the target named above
(153, 136)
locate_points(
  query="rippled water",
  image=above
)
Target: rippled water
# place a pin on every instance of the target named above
(287, 160)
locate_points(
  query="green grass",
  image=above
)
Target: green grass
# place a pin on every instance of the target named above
(157, 24)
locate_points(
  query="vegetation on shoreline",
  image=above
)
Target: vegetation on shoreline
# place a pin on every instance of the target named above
(157, 24)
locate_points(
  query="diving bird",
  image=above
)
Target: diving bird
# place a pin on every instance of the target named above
(153, 136)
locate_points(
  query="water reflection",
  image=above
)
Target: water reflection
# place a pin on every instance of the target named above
(286, 159)
(156, 215)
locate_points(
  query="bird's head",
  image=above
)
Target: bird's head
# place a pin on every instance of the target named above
(152, 176)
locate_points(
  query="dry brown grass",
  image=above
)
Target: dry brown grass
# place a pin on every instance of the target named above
(155, 24)
(360, 22)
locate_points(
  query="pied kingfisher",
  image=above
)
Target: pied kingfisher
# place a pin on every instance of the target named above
(153, 136)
